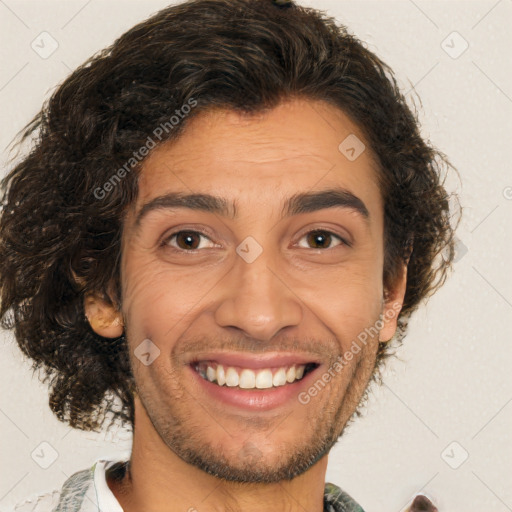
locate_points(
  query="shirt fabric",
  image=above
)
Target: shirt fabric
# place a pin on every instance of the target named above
(88, 491)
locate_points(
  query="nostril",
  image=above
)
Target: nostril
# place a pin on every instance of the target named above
(422, 504)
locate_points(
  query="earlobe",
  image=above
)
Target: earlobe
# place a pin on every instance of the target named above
(392, 306)
(103, 317)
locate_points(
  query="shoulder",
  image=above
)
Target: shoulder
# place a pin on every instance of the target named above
(336, 500)
(68, 498)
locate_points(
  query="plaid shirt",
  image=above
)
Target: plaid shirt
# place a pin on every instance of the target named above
(87, 491)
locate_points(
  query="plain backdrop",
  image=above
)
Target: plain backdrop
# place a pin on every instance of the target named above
(441, 422)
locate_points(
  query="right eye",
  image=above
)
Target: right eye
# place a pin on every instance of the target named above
(185, 240)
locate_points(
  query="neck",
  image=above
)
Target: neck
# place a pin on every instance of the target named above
(158, 480)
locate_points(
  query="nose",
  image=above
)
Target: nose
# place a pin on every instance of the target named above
(257, 300)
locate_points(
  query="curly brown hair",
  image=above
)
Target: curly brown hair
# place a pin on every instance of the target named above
(59, 242)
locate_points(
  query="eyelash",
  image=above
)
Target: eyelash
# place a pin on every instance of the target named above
(166, 241)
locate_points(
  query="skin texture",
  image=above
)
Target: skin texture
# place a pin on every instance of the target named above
(295, 298)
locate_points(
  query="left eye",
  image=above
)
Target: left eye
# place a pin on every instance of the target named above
(322, 238)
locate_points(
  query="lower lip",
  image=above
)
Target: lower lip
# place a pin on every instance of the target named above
(255, 399)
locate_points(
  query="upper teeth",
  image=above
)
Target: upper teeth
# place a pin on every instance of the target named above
(246, 378)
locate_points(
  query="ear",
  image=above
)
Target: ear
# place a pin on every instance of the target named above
(392, 305)
(103, 317)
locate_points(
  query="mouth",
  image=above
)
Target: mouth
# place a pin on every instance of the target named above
(249, 378)
(254, 384)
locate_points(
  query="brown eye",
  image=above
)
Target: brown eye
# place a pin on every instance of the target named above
(186, 240)
(320, 239)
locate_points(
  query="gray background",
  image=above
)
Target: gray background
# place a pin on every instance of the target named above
(449, 396)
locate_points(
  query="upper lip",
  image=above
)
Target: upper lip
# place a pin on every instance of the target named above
(267, 360)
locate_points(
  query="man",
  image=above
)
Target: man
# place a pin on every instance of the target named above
(227, 216)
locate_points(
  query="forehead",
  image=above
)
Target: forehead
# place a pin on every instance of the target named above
(299, 145)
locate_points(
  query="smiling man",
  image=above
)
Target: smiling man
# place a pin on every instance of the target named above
(226, 218)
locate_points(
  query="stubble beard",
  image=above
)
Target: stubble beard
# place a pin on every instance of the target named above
(178, 431)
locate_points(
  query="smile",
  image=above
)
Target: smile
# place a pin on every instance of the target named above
(252, 382)
(248, 378)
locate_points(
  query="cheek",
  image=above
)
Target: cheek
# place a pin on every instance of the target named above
(347, 301)
(157, 299)
(145, 294)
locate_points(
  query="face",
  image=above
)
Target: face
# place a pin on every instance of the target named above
(252, 309)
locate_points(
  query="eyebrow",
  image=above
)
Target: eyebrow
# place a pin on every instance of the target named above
(305, 202)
